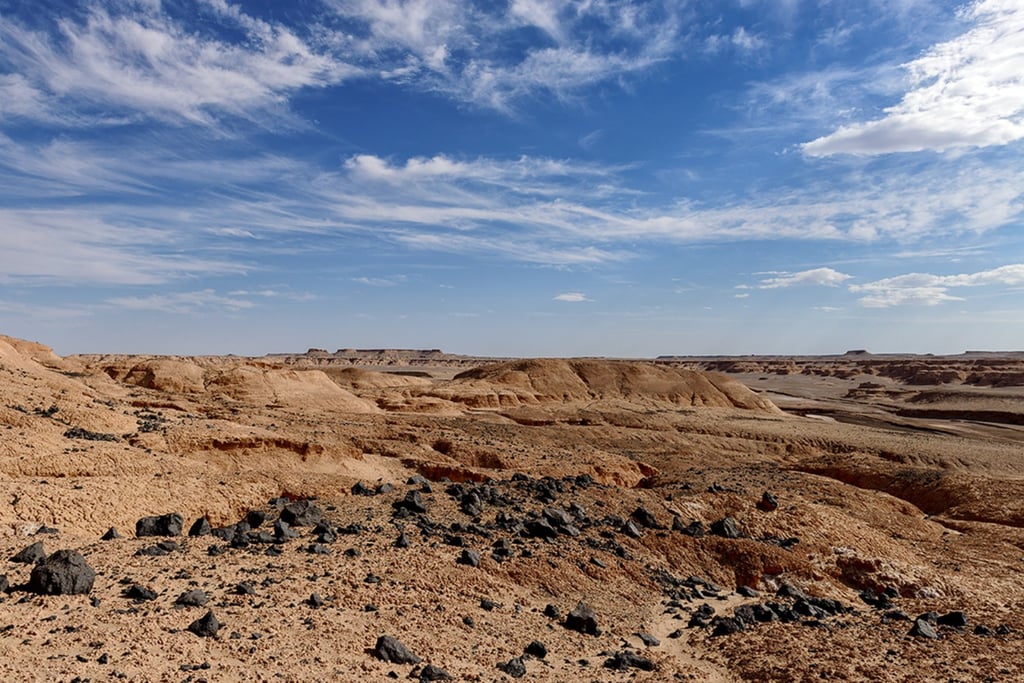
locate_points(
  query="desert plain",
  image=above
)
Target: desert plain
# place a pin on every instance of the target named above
(848, 517)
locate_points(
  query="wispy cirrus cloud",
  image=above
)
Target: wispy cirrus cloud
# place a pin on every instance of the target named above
(137, 59)
(931, 290)
(120, 62)
(492, 55)
(966, 92)
(69, 247)
(182, 302)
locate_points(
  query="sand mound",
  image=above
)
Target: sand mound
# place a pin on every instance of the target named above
(167, 375)
(285, 387)
(357, 378)
(552, 380)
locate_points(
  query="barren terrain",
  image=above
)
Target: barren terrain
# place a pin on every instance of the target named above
(851, 517)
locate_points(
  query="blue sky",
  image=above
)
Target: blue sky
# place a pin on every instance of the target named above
(513, 177)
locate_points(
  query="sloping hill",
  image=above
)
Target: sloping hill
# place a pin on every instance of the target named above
(558, 380)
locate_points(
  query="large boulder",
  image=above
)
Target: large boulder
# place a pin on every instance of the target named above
(65, 572)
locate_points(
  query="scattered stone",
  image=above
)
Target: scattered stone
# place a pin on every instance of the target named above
(402, 541)
(140, 593)
(768, 503)
(283, 531)
(954, 619)
(583, 619)
(301, 513)
(244, 588)
(110, 535)
(192, 598)
(315, 601)
(536, 649)
(5, 584)
(65, 572)
(361, 489)
(434, 673)
(206, 626)
(725, 626)
(923, 629)
(392, 650)
(726, 528)
(747, 592)
(540, 528)
(162, 525)
(30, 554)
(648, 639)
(255, 518)
(626, 659)
(471, 504)
(413, 503)
(201, 527)
(469, 558)
(694, 529)
(81, 433)
(630, 529)
(515, 667)
(488, 605)
(552, 612)
(646, 518)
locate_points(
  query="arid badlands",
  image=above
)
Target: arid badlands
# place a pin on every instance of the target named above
(375, 515)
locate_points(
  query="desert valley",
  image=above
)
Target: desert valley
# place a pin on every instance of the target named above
(378, 514)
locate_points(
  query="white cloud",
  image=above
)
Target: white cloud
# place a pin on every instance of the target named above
(967, 92)
(931, 290)
(740, 40)
(182, 302)
(474, 52)
(377, 281)
(74, 246)
(821, 277)
(142, 60)
(572, 297)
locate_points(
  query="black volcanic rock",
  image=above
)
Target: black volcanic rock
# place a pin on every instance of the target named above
(192, 598)
(536, 649)
(301, 513)
(65, 572)
(626, 659)
(413, 503)
(390, 649)
(923, 629)
(646, 518)
(768, 503)
(30, 554)
(161, 525)
(205, 626)
(200, 527)
(726, 527)
(470, 558)
(140, 593)
(434, 673)
(515, 667)
(583, 619)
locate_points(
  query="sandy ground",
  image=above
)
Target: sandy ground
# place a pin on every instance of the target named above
(883, 483)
